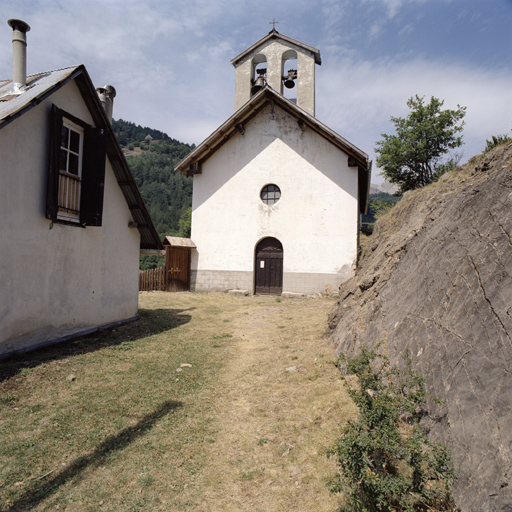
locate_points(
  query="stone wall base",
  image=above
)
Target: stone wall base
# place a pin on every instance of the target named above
(220, 280)
(295, 282)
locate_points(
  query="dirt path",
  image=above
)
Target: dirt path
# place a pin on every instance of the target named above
(210, 403)
(279, 406)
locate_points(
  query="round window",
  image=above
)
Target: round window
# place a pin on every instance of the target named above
(270, 194)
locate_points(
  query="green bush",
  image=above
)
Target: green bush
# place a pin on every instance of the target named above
(185, 223)
(379, 204)
(381, 207)
(386, 462)
(444, 168)
(150, 262)
(496, 140)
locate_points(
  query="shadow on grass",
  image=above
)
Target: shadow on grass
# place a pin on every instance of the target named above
(151, 321)
(45, 488)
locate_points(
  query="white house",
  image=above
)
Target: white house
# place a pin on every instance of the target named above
(277, 195)
(73, 220)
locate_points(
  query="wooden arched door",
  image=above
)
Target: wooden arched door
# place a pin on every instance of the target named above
(268, 267)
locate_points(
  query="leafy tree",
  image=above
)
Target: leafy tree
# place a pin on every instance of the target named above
(413, 157)
(386, 462)
(149, 262)
(186, 223)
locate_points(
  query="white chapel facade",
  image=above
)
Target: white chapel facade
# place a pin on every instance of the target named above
(277, 195)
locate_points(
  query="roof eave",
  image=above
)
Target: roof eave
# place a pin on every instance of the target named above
(179, 242)
(274, 34)
(247, 112)
(149, 238)
(364, 178)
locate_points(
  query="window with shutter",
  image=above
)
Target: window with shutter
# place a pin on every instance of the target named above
(77, 171)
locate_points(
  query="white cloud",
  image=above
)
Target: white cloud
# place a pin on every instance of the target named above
(375, 30)
(392, 7)
(406, 30)
(357, 98)
(170, 61)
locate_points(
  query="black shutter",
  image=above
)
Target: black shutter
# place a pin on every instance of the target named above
(93, 176)
(52, 192)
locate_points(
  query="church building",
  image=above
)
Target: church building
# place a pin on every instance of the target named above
(277, 195)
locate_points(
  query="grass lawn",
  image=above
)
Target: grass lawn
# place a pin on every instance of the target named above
(208, 402)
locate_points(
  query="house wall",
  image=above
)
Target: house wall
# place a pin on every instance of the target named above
(58, 280)
(315, 219)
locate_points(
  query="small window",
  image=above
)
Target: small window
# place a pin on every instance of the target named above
(70, 171)
(270, 194)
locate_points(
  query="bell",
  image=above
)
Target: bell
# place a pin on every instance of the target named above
(289, 83)
(288, 80)
(258, 85)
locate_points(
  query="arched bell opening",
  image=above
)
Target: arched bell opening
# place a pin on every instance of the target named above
(268, 267)
(289, 75)
(259, 73)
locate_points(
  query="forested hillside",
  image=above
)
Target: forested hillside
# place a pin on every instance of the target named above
(129, 133)
(167, 193)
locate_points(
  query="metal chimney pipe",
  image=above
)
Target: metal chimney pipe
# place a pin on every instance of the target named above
(106, 95)
(19, 54)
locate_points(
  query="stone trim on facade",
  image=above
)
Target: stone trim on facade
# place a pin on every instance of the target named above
(293, 282)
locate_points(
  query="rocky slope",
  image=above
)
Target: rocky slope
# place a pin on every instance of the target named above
(435, 278)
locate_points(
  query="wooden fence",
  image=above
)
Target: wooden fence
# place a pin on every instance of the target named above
(153, 279)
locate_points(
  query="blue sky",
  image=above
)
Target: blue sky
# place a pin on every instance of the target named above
(170, 60)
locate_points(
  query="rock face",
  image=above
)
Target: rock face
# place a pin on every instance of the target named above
(436, 279)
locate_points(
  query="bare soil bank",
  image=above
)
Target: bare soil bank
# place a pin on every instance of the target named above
(436, 279)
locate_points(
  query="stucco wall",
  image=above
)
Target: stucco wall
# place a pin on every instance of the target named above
(315, 219)
(56, 279)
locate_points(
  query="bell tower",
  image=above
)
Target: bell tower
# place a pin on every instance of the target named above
(269, 61)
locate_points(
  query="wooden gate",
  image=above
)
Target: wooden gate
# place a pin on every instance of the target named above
(177, 265)
(268, 263)
(178, 253)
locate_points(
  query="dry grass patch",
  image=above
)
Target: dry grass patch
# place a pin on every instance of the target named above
(244, 427)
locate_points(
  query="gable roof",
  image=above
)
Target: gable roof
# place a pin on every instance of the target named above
(274, 34)
(191, 164)
(177, 241)
(41, 86)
